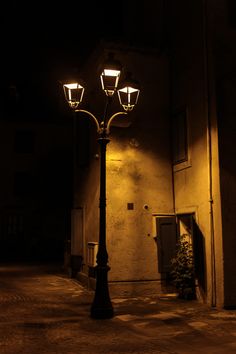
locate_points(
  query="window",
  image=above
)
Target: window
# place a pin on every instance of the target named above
(179, 137)
(24, 142)
(14, 224)
(23, 183)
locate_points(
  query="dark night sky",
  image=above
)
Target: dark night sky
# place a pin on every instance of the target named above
(41, 42)
(44, 33)
(44, 41)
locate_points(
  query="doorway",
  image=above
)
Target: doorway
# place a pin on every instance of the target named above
(188, 226)
(169, 229)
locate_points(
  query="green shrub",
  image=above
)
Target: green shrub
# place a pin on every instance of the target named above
(182, 269)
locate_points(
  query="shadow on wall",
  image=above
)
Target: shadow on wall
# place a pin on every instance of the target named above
(199, 255)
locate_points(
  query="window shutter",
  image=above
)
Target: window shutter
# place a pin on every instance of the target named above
(179, 137)
(166, 241)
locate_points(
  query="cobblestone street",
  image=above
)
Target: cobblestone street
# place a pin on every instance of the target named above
(44, 311)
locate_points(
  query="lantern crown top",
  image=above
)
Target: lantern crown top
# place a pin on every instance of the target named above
(129, 81)
(110, 75)
(128, 92)
(112, 63)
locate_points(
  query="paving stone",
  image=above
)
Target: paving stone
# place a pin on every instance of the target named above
(42, 311)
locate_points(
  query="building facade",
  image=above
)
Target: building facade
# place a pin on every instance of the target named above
(170, 165)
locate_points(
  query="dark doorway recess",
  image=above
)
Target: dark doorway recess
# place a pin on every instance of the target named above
(169, 228)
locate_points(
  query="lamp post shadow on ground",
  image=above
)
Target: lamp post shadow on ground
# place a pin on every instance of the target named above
(128, 93)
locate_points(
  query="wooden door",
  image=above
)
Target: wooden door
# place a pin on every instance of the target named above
(166, 241)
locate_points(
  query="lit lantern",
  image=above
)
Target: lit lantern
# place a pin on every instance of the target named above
(110, 75)
(74, 94)
(128, 94)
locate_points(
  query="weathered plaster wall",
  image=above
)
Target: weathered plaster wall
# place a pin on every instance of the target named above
(139, 176)
(228, 187)
(138, 172)
(222, 30)
(227, 129)
(191, 89)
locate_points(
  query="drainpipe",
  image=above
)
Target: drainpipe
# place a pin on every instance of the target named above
(209, 143)
(167, 30)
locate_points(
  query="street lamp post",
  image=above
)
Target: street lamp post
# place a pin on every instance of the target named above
(128, 95)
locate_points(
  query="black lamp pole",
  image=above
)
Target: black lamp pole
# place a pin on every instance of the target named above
(101, 307)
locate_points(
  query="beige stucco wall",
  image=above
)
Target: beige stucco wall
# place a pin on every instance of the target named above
(138, 172)
(138, 156)
(223, 56)
(193, 89)
(140, 176)
(227, 128)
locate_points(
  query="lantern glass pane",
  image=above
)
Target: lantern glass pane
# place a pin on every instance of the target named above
(110, 72)
(74, 94)
(128, 97)
(109, 81)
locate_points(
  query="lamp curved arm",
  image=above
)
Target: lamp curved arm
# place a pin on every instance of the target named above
(91, 115)
(111, 119)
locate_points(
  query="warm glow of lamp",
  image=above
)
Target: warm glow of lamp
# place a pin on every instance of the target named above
(110, 75)
(74, 94)
(109, 80)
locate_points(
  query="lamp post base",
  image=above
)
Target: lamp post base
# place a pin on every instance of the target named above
(102, 312)
(102, 306)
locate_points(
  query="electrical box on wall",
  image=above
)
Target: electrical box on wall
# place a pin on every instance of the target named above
(92, 250)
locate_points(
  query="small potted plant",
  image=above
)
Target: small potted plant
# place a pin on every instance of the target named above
(182, 269)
